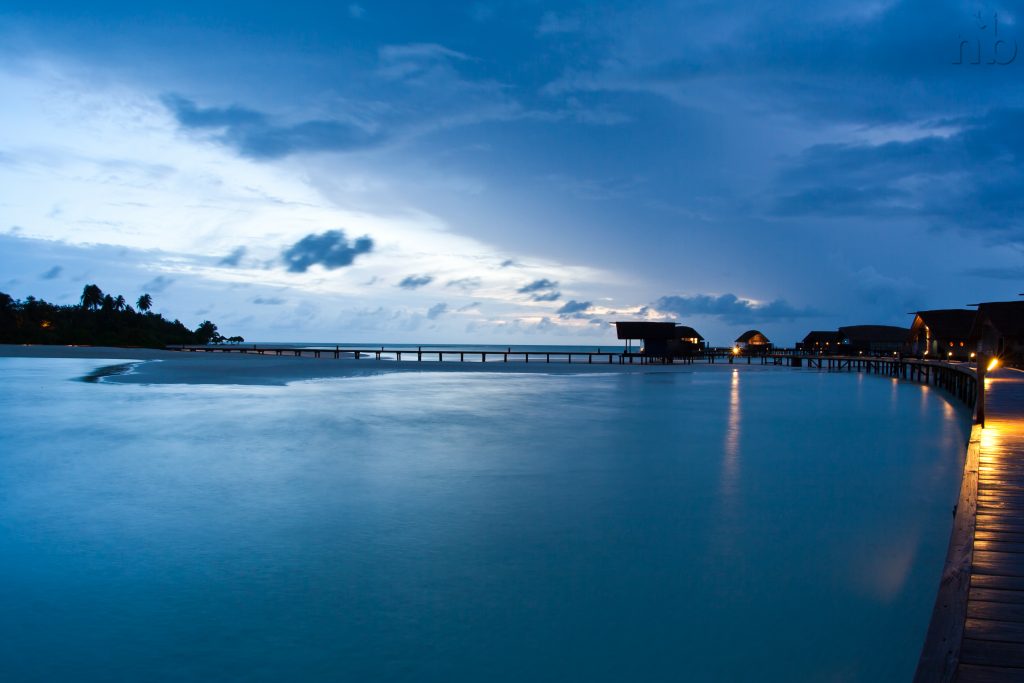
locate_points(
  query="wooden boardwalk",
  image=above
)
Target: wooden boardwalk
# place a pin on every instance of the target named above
(976, 634)
(992, 648)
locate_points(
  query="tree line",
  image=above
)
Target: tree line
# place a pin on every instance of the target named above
(100, 319)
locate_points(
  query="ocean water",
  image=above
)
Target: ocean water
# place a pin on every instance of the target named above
(716, 524)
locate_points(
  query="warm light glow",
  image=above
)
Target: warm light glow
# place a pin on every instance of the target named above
(973, 354)
(735, 350)
(950, 354)
(993, 364)
(44, 324)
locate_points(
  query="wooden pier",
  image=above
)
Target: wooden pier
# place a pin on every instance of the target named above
(419, 353)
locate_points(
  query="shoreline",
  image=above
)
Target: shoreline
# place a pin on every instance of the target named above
(157, 366)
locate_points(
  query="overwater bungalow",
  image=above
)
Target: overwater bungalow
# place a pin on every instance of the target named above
(943, 333)
(820, 341)
(663, 339)
(753, 342)
(998, 330)
(873, 339)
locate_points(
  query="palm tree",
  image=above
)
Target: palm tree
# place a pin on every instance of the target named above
(119, 303)
(108, 302)
(145, 302)
(92, 296)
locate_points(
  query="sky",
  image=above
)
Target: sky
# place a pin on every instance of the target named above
(513, 172)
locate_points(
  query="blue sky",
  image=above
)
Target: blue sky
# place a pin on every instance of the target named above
(517, 172)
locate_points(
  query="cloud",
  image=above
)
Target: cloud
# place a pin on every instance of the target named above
(416, 61)
(537, 286)
(881, 290)
(269, 301)
(542, 290)
(437, 310)
(466, 284)
(572, 307)
(157, 284)
(52, 273)
(552, 23)
(965, 176)
(418, 51)
(507, 263)
(234, 258)
(330, 250)
(415, 281)
(732, 309)
(356, 11)
(253, 134)
(1010, 273)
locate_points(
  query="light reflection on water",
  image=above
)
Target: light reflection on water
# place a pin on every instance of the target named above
(456, 527)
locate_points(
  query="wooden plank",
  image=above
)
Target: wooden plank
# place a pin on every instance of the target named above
(991, 522)
(940, 654)
(1000, 509)
(987, 629)
(973, 673)
(996, 595)
(992, 653)
(998, 546)
(1007, 501)
(996, 535)
(996, 611)
(1011, 583)
(1011, 564)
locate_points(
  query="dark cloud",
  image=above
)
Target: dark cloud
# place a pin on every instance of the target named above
(841, 61)
(573, 307)
(157, 284)
(537, 286)
(234, 258)
(507, 262)
(330, 250)
(542, 290)
(1011, 273)
(253, 134)
(269, 301)
(969, 178)
(52, 273)
(437, 310)
(732, 309)
(415, 281)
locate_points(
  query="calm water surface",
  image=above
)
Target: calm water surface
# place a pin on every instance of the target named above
(766, 524)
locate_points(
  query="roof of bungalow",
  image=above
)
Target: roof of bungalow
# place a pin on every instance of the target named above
(687, 332)
(822, 336)
(1006, 316)
(948, 323)
(654, 330)
(750, 334)
(875, 333)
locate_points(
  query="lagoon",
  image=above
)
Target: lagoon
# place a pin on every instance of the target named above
(702, 524)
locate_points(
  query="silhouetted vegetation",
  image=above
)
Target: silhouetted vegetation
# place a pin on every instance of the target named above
(99, 320)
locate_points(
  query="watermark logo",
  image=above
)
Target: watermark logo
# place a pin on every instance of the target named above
(986, 46)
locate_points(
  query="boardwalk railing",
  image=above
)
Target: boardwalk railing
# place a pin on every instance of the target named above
(419, 353)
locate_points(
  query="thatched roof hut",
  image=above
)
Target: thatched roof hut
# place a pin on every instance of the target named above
(752, 338)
